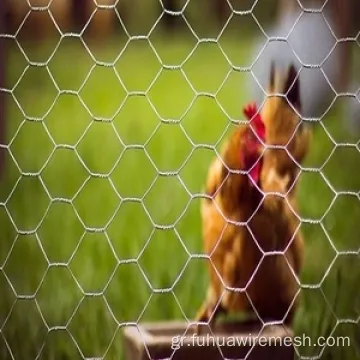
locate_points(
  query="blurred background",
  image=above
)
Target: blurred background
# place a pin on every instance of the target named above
(110, 113)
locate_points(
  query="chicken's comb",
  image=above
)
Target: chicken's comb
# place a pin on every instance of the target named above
(251, 112)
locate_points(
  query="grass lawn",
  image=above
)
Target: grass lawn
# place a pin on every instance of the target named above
(93, 206)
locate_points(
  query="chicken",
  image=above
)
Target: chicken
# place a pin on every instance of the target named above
(250, 231)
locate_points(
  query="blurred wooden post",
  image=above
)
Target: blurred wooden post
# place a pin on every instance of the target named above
(2, 81)
(170, 21)
(80, 13)
(286, 6)
(221, 10)
(341, 10)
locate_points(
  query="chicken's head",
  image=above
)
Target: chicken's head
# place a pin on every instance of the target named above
(254, 137)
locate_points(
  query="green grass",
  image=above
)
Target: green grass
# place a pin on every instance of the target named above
(66, 233)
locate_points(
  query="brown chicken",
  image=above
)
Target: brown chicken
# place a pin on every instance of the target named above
(249, 227)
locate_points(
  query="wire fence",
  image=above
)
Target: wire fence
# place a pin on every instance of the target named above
(331, 210)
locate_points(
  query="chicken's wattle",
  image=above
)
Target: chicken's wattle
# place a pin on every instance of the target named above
(251, 160)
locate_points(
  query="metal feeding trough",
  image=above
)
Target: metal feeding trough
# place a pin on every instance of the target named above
(173, 340)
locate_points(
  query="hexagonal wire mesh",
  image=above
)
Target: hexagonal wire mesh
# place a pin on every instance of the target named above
(109, 266)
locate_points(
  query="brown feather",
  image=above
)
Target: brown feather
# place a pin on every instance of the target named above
(240, 254)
